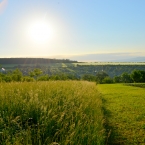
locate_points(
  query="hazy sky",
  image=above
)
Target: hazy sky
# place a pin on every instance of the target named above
(71, 27)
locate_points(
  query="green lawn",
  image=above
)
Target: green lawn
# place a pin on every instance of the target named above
(124, 108)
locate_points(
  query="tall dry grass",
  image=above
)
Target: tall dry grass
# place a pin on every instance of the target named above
(57, 112)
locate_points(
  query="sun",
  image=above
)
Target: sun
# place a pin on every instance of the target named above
(40, 31)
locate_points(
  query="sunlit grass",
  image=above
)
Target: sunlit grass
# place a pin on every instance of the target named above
(67, 113)
(124, 108)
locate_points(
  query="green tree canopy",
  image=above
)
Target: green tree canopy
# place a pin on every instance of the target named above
(126, 78)
(100, 76)
(138, 76)
(35, 73)
(17, 75)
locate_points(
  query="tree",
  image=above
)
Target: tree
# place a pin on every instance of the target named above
(28, 79)
(63, 76)
(100, 76)
(54, 77)
(35, 73)
(143, 76)
(117, 79)
(72, 77)
(138, 76)
(88, 77)
(43, 78)
(126, 78)
(17, 75)
(107, 80)
(7, 78)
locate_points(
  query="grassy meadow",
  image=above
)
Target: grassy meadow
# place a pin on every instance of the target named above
(124, 109)
(71, 113)
(51, 113)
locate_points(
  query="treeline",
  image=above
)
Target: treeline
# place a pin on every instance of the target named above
(33, 61)
(34, 75)
(136, 76)
(73, 68)
(111, 70)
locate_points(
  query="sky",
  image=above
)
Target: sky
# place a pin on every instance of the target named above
(72, 29)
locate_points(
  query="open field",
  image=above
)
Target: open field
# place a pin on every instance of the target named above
(71, 113)
(55, 112)
(110, 63)
(73, 64)
(124, 109)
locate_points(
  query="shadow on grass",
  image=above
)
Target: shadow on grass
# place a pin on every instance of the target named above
(112, 136)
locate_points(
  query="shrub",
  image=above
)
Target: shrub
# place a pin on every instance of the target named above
(107, 80)
(43, 78)
(7, 78)
(117, 79)
(100, 76)
(89, 77)
(28, 79)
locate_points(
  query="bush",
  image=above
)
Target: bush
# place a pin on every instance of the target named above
(1, 80)
(107, 80)
(117, 79)
(100, 76)
(7, 78)
(17, 75)
(89, 77)
(28, 79)
(43, 78)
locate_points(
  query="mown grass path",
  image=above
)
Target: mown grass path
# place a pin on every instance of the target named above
(124, 107)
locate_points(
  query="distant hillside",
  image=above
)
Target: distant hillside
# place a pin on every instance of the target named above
(33, 61)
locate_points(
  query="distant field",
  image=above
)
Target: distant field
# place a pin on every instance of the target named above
(73, 64)
(124, 108)
(51, 113)
(110, 63)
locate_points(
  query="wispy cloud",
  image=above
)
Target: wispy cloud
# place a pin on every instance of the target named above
(3, 5)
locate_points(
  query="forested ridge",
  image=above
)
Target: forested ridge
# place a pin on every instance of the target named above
(64, 69)
(33, 60)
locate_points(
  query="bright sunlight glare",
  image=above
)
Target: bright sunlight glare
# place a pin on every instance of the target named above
(40, 31)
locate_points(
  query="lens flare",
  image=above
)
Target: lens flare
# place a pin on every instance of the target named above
(40, 31)
(3, 4)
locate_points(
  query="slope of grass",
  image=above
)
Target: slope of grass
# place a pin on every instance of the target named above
(43, 113)
(124, 107)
